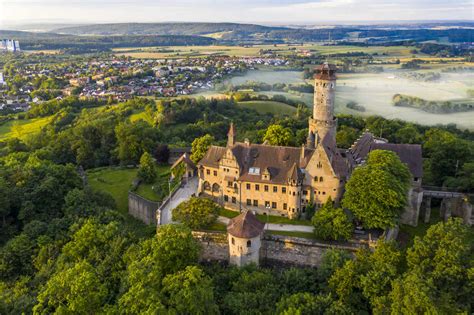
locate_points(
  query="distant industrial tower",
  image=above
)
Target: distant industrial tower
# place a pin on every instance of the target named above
(322, 126)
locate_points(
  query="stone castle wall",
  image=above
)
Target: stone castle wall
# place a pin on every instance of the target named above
(142, 209)
(275, 250)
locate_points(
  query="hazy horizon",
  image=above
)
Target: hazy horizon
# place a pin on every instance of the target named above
(269, 12)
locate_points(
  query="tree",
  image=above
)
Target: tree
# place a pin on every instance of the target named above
(440, 270)
(200, 147)
(162, 153)
(254, 292)
(376, 193)
(346, 136)
(189, 291)
(196, 212)
(86, 203)
(150, 261)
(331, 223)
(277, 135)
(147, 168)
(75, 290)
(367, 279)
(304, 303)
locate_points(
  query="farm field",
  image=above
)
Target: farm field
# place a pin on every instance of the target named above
(177, 52)
(268, 107)
(22, 128)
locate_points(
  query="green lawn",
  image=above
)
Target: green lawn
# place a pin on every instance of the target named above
(263, 218)
(271, 107)
(22, 128)
(115, 181)
(293, 234)
(118, 181)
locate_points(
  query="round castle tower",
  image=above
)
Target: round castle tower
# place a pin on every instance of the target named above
(244, 236)
(323, 123)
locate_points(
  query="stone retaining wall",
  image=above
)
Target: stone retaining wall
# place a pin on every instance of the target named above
(142, 209)
(275, 250)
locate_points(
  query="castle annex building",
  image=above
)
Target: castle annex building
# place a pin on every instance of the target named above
(284, 180)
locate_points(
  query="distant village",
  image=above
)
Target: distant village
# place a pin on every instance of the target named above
(122, 78)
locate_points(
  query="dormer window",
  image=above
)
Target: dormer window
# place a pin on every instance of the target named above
(254, 171)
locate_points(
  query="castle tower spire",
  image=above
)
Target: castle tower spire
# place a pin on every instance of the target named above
(323, 123)
(231, 135)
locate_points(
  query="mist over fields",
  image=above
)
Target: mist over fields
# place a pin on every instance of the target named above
(374, 91)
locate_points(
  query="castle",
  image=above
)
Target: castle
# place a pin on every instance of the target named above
(282, 180)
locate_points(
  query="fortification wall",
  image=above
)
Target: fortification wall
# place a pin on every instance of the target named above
(142, 209)
(275, 250)
(214, 245)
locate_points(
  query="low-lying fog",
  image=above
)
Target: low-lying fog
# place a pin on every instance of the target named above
(375, 92)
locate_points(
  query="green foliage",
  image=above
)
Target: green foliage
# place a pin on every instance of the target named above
(364, 282)
(346, 136)
(376, 193)
(440, 277)
(190, 292)
(147, 168)
(196, 213)
(200, 147)
(255, 292)
(304, 303)
(278, 135)
(134, 139)
(75, 290)
(332, 223)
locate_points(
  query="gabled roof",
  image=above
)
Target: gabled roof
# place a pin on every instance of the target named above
(184, 159)
(245, 225)
(410, 154)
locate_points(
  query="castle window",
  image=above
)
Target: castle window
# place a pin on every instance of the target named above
(234, 200)
(315, 178)
(208, 172)
(249, 243)
(257, 187)
(275, 189)
(285, 206)
(248, 186)
(305, 192)
(274, 205)
(215, 173)
(265, 187)
(321, 179)
(229, 184)
(226, 198)
(249, 202)
(293, 193)
(255, 203)
(267, 204)
(233, 241)
(324, 192)
(283, 190)
(319, 165)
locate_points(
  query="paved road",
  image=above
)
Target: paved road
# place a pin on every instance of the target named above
(279, 227)
(183, 194)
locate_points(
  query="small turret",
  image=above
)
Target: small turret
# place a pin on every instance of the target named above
(244, 234)
(231, 136)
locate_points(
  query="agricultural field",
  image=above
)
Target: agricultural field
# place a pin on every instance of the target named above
(177, 52)
(271, 107)
(22, 128)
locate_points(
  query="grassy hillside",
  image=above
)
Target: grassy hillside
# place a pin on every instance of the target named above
(268, 107)
(22, 128)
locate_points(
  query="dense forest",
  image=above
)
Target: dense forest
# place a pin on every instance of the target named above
(71, 43)
(252, 32)
(66, 249)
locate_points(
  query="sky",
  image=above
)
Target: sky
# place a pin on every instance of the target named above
(250, 11)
